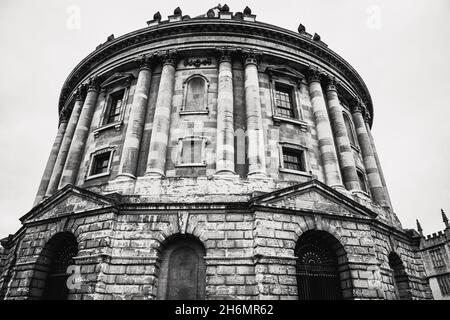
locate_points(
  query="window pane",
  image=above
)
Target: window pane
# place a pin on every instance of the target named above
(100, 163)
(362, 181)
(293, 159)
(348, 127)
(115, 107)
(195, 95)
(283, 101)
(192, 151)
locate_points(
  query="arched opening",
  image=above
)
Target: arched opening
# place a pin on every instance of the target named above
(196, 94)
(322, 268)
(50, 277)
(400, 277)
(182, 274)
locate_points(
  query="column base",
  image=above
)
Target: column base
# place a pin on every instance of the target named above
(125, 176)
(155, 173)
(257, 174)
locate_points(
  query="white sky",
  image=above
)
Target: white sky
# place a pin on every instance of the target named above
(400, 48)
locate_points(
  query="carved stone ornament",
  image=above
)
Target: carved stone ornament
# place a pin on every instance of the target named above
(197, 62)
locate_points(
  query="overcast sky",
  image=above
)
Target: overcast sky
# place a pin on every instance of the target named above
(400, 48)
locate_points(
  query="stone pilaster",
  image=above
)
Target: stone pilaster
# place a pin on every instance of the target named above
(373, 175)
(377, 160)
(345, 153)
(225, 122)
(255, 132)
(135, 128)
(156, 160)
(49, 167)
(75, 153)
(67, 140)
(324, 132)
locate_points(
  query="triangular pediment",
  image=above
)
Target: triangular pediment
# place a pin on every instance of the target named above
(67, 201)
(313, 196)
(117, 78)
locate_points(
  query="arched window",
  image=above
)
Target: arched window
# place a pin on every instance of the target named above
(50, 279)
(182, 270)
(195, 95)
(400, 277)
(349, 128)
(321, 266)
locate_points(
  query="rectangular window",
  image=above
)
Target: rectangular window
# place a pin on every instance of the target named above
(100, 163)
(283, 101)
(115, 107)
(362, 181)
(192, 151)
(436, 258)
(293, 159)
(444, 284)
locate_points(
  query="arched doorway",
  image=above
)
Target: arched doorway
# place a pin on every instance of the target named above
(182, 269)
(321, 260)
(50, 279)
(400, 277)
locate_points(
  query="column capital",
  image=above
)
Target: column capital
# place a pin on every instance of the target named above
(145, 62)
(358, 106)
(315, 74)
(367, 116)
(93, 84)
(251, 56)
(169, 57)
(80, 92)
(331, 83)
(64, 116)
(224, 54)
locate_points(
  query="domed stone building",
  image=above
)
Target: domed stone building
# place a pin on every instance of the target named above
(213, 157)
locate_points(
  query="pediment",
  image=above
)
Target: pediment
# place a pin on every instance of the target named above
(117, 78)
(65, 202)
(313, 196)
(284, 71)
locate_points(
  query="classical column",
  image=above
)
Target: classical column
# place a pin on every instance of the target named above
(345, 153)
(136, 121)
(156, 160)
(377, 160)
(225, 123)
(67, 140)
(373, 175)
(324, 133)
(75, 154)
(255, 132)
(49, 167)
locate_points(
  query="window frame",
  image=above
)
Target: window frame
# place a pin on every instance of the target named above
(360, 171)
(93, 155)
(114, 84)
(443, 281)
(346, 114)
(204, 141)
(295, 148)
(205, 109)
(437, 257)
(285, 77)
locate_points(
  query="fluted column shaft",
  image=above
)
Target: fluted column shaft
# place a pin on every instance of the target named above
(324, 134)
(225, 123)
(255, 132)
(49, 167)
(377, 160)
(135, 128)
(64, 150)
(373, 175)
(75, 154)
(345, 153)
(156, 160)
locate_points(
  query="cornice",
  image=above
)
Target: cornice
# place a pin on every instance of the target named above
(302, 42)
